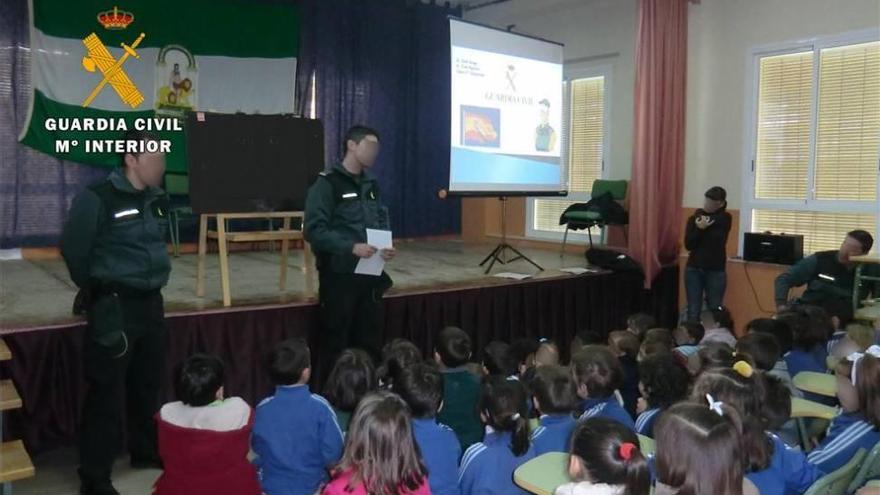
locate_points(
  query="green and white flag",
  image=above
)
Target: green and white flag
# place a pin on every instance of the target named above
(194, 55)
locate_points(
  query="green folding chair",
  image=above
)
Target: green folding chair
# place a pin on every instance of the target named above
(646, 445)
(802, 408)
(577, 220)
(815, 382)
(870, 469)
(837, 483)
(543, 474)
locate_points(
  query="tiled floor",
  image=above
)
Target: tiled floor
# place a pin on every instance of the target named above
(56, 475)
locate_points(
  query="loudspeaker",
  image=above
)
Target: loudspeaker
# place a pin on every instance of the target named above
(767, 247)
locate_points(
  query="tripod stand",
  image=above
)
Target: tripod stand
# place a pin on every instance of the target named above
(500, 253)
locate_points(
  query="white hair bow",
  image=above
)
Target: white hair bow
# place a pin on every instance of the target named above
(855, 357)
(715, 405)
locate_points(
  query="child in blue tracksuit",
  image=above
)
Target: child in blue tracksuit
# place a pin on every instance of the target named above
(487, 467)
(597, 374)
(421, 387)
(858, 425)
(772, 466)
(295, 436)
(554, 398)
(663, 381)
(810, 327)
(788, 472)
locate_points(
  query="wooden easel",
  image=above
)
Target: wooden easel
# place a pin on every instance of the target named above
(285, 235)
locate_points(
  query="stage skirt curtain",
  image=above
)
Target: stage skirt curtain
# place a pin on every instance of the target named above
(47, 364)
(659, 133)
(385, 64)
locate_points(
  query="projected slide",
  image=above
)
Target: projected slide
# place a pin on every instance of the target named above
(506, 112)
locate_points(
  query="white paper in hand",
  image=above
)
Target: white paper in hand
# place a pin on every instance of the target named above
(380, 239)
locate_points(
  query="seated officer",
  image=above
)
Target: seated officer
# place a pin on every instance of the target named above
(829, 275)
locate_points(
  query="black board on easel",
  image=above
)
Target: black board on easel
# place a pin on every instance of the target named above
(249, 163)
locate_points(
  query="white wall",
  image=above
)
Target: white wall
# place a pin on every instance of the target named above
(722, 34)
(595, 33)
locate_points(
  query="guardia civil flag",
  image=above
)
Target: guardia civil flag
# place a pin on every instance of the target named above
(135, 59)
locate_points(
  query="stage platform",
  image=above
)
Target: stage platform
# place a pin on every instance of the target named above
(39, 294)
(437, 283)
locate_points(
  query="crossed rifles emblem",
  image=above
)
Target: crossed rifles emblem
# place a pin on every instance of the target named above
(112, 70)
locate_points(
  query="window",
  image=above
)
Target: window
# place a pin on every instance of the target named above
(585, 144)
(816, 143)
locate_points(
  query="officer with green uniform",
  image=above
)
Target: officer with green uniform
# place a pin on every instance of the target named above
(829, 275)
(342, 203)
(114, 247)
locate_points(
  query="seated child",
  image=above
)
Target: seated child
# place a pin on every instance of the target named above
(776, 411)
(687, 336)
(781, 332)
(381, 456)
(522, 352)
(762, 349)
(656, 341)
(640, 323)
(856, 338)
(597, 374)
(584, 338)
(461, 388)
(810, 327)
(296, 436)
(719, 327)
(858, 424)
(606, 460)
(488, 466)
(625, 345)
(498, 360)
(421, 387)
(203, 438)
(396, 356)
(353, 376)
(662, 383)
(770, 464)
(554, 398)
(547, 354)
(685, 434)
(715, 356)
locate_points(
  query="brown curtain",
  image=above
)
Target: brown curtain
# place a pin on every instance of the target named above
(658, 136)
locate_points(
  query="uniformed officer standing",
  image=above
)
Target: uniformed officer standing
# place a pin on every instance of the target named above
(114, 247)
(341, 204)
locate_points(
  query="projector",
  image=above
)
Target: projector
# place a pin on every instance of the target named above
(783, 249)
